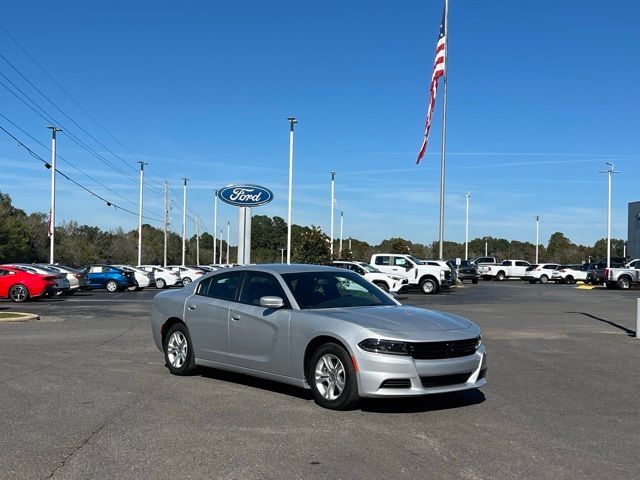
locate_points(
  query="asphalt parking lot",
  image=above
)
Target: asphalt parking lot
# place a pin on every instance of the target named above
(85, 395)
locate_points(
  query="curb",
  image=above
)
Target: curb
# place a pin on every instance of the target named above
(21, 317)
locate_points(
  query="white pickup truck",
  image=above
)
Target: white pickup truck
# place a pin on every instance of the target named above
(507, 269)
(623, 278)
(430, 278)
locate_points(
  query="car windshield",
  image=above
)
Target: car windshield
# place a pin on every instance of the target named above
(369, 268)
(417, 261)
(334, 290)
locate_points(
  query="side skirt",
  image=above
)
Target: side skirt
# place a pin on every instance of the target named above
(298, 382)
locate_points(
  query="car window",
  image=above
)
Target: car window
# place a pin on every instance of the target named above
(223, 287)
(334, 290)
(383, 260)
(257, 285)
(523, 264)
(358, 270)
(550, 267)
(3, 272)
(401, 262)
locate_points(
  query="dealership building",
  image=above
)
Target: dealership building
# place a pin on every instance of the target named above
(633, 235)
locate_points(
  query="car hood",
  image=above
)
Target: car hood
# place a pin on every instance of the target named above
(397, 319)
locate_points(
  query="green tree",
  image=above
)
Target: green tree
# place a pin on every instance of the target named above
(312, 246)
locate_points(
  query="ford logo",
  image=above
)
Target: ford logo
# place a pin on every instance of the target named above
(245, 195)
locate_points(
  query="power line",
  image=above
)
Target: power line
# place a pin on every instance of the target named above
(88, 190)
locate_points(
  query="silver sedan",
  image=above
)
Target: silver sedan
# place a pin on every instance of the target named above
(321, 328)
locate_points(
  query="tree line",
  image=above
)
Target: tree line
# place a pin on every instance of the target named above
(23, 238)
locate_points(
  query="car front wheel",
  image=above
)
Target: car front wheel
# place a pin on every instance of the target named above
(382, 286)
(112, 286)
(428, 286)
(160, 283)
(544, 279)
(186, 281)
(178, 350)
(332, 378)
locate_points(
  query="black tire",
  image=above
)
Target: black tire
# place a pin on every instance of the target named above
(382, 285)
(486, 277)
(532, 282)
(160, 283)
(544, 279)
(19, 293)
(624, 283)
(501, 276)
(188, 365)
(68, 293)
(112, 286)
(569, 279)
(474, 281)
(429, 286)
(611, 285)
(186, 281)
(349, 396)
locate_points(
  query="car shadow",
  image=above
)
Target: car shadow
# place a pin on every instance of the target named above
(426, 403)
(628, 331)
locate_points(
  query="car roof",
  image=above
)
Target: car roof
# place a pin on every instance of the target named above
(281, 268)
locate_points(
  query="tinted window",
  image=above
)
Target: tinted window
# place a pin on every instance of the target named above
(382, 260)
(257, 285)
(550, 267)
(333, 290)
(223, 286)
(506, 263)
(522, 264)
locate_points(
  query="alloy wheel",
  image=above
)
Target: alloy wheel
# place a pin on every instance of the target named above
(330, 376)
(19, 293)
(112, 286)
(177, 349)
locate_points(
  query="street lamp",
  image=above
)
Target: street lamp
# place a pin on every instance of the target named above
(537, 235)
(609, 172)
(292, 122)
(333, 181)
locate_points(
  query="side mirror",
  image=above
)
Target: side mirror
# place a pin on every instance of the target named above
(271, 302)
(408, 266)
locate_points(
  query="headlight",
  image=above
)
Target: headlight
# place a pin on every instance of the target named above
(393, 277)
(384, 346)
(479, 342)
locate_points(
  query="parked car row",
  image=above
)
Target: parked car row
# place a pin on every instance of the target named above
(21, 282)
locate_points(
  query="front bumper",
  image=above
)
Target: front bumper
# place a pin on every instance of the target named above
(376, 369)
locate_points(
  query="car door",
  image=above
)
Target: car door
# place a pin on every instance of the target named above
(401, 266)
(5, 282)
(520, 269)
(96, 276)
(258, 336)
(207, 316)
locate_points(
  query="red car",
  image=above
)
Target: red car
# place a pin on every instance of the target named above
(20, 286)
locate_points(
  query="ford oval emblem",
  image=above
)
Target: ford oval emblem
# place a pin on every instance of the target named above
(245, 195)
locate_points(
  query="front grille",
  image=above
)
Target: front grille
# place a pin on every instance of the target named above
(445, 380)
(439, 350)
(447, 274)
(396, 383)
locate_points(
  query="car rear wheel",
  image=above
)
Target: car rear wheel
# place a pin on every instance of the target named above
(19, 293)
(624, 283)
(474, 281)
(186, 281)
(178, 350)
(501, 276)
(428, 286)
(160, 283)
(569, 279)
(333, 378)
(112, 286)
(544, 279)
(382, 285)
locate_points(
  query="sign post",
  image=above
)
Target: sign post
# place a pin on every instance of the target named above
(246, 197)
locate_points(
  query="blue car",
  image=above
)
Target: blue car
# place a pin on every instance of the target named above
(112, 278)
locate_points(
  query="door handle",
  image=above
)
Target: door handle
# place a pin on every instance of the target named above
(192, 307)
(235, 318)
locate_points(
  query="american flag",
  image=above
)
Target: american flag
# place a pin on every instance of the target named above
(438, 71)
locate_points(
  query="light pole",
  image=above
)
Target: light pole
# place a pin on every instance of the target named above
(333, 182)
(228, 235)
(220, 259)
(215, 223)
(341, 231)
(197, 241)
(52, 212)
(166, 222)
(184, 222)
(282, 255)
(486, 247)
(466, 226)
(142, 164)
(609, 172)
(537, 235)
(292, 122)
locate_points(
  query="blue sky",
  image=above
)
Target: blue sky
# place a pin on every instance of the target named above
(541, 94)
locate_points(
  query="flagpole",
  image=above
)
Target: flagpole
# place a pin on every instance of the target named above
(444, 127)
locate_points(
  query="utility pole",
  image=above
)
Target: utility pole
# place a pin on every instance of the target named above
(349, 244)
(537, 235)
(292, 122)
(142, 164)
(197, 241)
(184, 222)
(486, 248)
(282, 255)
(609, 172)
(333, 181)
(228, 238)
(166, 221)
(52, 212)
(215, 223)
(341, 227)
(466, 227)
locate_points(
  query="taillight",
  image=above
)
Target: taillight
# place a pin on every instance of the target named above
(50, 278)
(606, 272)
(78, 276)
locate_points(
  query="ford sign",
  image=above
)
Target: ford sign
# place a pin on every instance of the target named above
(245, 195)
